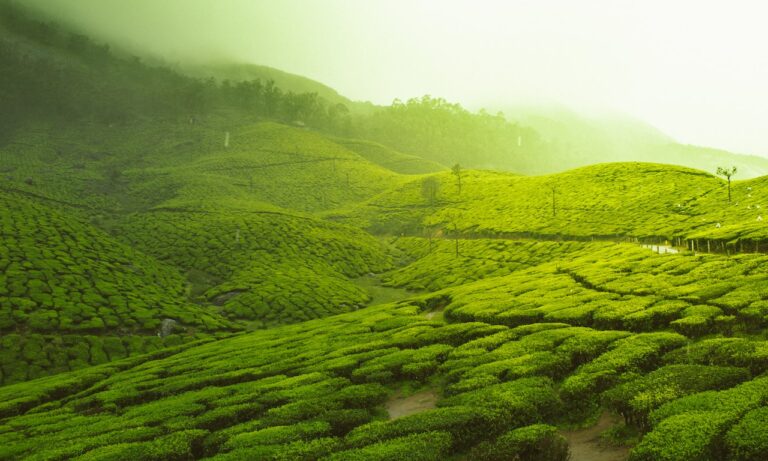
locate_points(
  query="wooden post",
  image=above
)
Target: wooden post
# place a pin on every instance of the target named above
(554, 212)
(709, 250)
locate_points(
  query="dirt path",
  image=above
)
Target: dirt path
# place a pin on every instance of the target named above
(585, 443)
(398, 406)
(379, 293)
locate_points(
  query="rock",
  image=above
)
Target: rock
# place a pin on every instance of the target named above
(167, 326)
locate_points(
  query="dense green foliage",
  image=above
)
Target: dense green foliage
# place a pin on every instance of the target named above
(181, 265)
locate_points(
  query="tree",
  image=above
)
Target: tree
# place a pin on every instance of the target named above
(456, 170)
(429, 188)
(727, 173)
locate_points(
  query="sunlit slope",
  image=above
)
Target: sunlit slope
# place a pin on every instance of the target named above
(317, 389)
(434, 264)
(390, 158)
(71, 295)
(286, 166)
(183, 165)
(624, 286)
(606, 200)
(740, 222)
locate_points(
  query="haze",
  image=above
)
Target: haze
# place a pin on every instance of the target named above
(695, 70)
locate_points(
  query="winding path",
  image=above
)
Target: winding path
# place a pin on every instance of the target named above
(585, 443)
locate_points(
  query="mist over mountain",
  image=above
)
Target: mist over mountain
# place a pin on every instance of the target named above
(564, 138)
(622, 57)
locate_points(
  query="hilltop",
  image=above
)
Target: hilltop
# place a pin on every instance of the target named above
(645, 201)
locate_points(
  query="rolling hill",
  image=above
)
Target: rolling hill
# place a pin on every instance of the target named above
(186, 272)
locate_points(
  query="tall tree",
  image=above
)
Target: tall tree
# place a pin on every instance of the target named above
(456, 170)
(727, 173)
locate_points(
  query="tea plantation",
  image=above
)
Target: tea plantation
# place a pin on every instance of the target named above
(521, 318)
(228, 270)
(316, 390)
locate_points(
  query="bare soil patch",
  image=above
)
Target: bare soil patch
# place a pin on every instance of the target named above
(399, 406)
(585, 444)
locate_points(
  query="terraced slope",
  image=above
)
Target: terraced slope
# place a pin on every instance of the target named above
(603, 201)
(316, 390)
(434, 264)
(284, 166)
(267, 267)
(623, 286)
(70, 295)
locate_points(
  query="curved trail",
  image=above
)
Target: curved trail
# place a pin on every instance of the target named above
(585, 443)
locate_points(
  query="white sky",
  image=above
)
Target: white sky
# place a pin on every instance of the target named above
(697, 70)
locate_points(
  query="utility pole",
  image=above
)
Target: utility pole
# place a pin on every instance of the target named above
(554, 209)
(456, 238)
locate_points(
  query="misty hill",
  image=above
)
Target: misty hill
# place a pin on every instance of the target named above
(240, 72)
(87, 80)
(577, 140)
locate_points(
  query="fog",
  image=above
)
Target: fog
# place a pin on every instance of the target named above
(696, 70)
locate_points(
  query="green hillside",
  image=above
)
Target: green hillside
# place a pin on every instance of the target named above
(318, 389)
(72, 296)
(243, 269)
(390, 159)
(617, 201)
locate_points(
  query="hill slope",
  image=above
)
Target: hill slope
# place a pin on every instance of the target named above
(316, 390)
(621, 200)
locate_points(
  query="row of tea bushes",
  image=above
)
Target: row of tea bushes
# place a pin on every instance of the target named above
(30, 356)
(60, 274)
(436, 266)
(314, 388)
(623, 286)
(709, 425)
(267, 267)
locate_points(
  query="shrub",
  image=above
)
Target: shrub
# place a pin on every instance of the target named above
(175, 446)
(636, 399)
(427, 446)
(748, 440)
(538, 442)
(688, 436)
(465, 425)
(276, 435)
